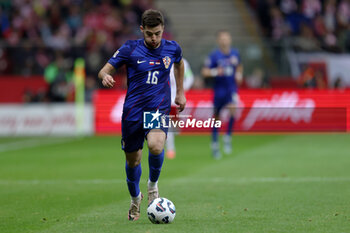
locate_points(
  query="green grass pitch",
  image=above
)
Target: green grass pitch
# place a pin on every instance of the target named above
(271, 183)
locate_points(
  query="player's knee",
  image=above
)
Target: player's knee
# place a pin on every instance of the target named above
(232, 110)
(156, 147)
(133, 163)
(156, 150)
(156, 142)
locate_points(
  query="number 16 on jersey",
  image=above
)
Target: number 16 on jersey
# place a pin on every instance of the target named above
(152, 77)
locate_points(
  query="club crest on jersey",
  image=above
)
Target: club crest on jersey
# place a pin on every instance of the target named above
(166, 61)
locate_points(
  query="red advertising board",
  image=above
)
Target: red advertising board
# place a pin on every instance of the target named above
(258, 111)
(13, 88)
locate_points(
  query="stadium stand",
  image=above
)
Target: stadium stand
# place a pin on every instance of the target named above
(313, 25)
(42, 38)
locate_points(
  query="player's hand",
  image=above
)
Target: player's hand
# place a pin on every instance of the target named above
(108, 81)
(180, 100)
(221, 71)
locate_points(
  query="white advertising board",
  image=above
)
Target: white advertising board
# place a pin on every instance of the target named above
(45, 119)
(338, 65)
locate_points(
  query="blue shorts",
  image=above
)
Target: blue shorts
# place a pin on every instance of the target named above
(221, 101)
(133, 135)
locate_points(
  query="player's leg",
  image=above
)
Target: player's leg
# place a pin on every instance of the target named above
(228, 134)
(132, 143)
(155, 140)
(133, 174)
(215, 146)
(232, 107)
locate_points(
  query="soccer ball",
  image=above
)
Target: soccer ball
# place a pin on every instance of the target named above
(161, 210)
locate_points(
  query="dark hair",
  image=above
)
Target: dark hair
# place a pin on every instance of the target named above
(152, 18)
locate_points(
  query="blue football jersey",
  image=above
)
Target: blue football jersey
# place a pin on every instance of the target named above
(147, 76)
(225, 84)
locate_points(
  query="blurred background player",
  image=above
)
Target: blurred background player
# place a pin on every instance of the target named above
(148, 62)
(224, 65)
(187, 83)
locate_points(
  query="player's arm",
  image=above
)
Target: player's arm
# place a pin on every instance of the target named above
(119, 58)
(212, 72)
(209, 70)
(239, 74)
(179, 78)
(206, 73)
(105, 75)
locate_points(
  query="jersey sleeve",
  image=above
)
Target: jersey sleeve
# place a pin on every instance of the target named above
(178, 53)
(210, 61)
(121, 56)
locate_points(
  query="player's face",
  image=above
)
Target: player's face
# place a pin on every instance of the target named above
(224, 40)
(152, 35)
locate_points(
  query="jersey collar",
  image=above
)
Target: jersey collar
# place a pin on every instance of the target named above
(160, 46)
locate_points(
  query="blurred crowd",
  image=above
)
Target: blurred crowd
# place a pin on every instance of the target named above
(45, 37)
(308, 25)
(34, 32)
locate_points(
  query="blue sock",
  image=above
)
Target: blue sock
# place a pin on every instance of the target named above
(231, 124)
(155, 163)
(133, 176)
(215, 134)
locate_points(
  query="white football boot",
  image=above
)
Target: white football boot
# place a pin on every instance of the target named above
(227, 144)
(216, 150)
(134, 211)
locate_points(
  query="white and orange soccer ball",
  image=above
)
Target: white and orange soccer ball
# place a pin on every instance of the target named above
(161, 210)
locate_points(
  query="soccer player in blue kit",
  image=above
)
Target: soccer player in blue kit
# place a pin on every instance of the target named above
(224, 65)
(148, 62)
